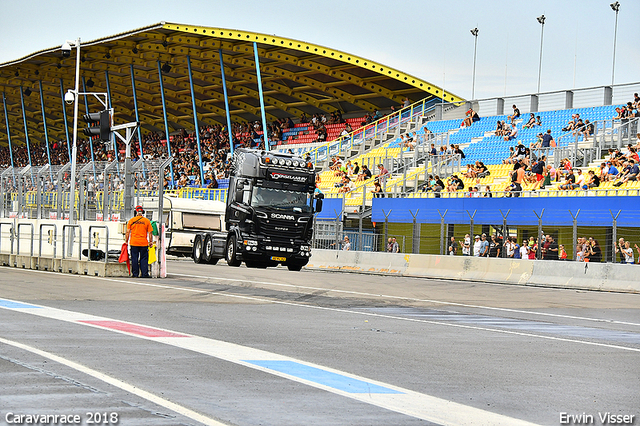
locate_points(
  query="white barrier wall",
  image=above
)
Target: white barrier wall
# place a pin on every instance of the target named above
(563, 274)
(116, 238)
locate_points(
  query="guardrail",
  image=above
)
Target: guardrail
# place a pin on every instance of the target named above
(11, 235)
(64, 233)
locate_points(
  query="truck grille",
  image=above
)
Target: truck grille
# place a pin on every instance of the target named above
(282, 229)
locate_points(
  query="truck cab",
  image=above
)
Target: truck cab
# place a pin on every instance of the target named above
(269, 209)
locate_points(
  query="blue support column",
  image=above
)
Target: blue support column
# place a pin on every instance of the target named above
(226, 100)
(26, 130)
(86, 109)
(135, 105)
(166, 123)
(114, 140)
(264, 117)
(6, 117)
(195, 120)
(64, 114)
(46, 133)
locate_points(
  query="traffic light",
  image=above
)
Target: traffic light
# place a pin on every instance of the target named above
(99, 125)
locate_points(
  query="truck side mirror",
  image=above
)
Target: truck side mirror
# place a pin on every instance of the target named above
(318, 205)
(239, 196)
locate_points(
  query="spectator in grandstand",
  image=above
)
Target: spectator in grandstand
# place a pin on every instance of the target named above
(466, 245)
(470, 173)
(484, 249)
(364, 174)
(531, 122)
(481, 170)
(629, 173)
(550, 249)
(406, 102)
(487, 192)
(539, 169)
(627, 251)
(515, 115)
(538, 121)
(517, 177)
(587, 130)
(455, 184)
(395, 247)
(427, 133)
(495, 247)
(383, 173)
(592, 181)
(571, 124)
(348, 127)
(377, 190)
(500, 128)
(592, 252)
(453, 247)
(512, 134)
(477, 246)
(633, 154)
(356, 169)
(433, 152)
(512, 156)
(347, 186)
(471, 117)
(344, 132)
(377, 115)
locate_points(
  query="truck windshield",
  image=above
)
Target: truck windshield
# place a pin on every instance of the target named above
(280, 199)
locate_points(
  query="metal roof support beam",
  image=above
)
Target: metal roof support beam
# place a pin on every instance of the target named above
(265, 133)
(64, 113)
(6, 117)
(26, 131)
(135, 106)
(46, 132)
(195, 121)
(113, 136)
(166, 126)
(226, 101)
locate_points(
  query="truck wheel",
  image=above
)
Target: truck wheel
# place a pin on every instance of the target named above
(207, 249)
(231, 257)
(197, 249)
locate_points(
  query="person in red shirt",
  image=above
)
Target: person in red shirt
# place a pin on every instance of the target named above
(139, 236)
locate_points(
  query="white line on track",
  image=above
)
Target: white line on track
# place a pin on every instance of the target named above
(118, 383)
(385, 296)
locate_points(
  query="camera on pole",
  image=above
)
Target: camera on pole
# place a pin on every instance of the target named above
(99, 125)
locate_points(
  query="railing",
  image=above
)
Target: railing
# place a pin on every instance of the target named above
(106, 243)
(358, 137)
(54, 240)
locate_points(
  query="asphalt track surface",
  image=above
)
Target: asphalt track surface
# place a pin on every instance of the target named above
(234, 346)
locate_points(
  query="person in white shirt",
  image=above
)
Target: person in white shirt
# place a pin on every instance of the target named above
(477, 246)
(524, 250)
(466, 246)
(628, 253)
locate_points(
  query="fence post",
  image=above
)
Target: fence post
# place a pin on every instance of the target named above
(539, 253)
(337, 242)
(614, 237)
(575, 232)
(415, 234)
(386, 228)
(503, 252)
(442, 230)
(471, 216)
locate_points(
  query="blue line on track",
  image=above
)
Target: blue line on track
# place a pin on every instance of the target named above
(15, 305)
(323, 377)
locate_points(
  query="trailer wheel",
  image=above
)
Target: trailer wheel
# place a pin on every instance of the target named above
(197, 249)
(207, 249)
(231, 255)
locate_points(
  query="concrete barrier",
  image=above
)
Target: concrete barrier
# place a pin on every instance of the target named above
(71, 266)
(561, 274)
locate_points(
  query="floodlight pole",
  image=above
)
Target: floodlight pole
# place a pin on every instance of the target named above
(616, 8)
(474, 32)
(541, 20)
(74, 152)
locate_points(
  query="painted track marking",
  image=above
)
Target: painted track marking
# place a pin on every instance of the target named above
(394, 398)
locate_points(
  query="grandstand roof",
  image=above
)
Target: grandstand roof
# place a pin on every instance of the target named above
(297, 77)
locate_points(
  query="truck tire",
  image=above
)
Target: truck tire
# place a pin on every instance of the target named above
(207, 249)
(197, 249)
(230, 253)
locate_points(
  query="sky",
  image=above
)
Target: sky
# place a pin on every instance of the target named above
(428, 39)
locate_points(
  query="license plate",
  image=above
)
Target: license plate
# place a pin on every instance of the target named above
(279, 259)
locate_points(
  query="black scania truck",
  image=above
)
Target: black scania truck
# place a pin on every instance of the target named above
(269, 213)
